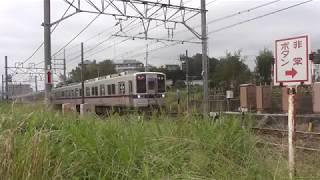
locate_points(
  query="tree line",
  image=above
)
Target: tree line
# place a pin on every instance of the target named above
(227, 72)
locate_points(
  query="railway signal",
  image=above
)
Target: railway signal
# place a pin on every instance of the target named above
(48, 77)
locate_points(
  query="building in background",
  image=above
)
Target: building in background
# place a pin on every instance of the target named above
(19, 89)
(172, 67)
(129, 66)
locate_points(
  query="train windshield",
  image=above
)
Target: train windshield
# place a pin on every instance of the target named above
(141, 83)
(151, 84)
(161, 83)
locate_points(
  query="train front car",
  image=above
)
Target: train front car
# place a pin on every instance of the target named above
(150, 89)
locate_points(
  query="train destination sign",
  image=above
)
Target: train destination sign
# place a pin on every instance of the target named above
(291, 61)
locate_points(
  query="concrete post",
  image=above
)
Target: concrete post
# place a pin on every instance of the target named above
(86, 109)
(291, 131)
(68, 107)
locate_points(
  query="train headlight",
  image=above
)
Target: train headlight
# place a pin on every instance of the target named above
(139, 96)
(163, 95)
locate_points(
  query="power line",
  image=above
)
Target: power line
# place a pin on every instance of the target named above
(232, 25)
(77, 35)
(233, 15)
(219, 19)
(63, 15)
(258, 17)
(111, 33)
(149, 30)
(241, 12)
(162, 24)
(110, 37)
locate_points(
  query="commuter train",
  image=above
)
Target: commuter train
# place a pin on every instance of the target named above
(141, 89)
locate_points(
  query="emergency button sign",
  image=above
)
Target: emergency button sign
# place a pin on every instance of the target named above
(291, 66)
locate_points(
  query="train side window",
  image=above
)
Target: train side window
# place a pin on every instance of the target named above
(109, 89)
(72, 93)
(80, 92)
(92, 91)
(121, 88)
(87, 91)
(62, 93)
(130, 87)
(102, 90)
(96, 91)
(76, 92)
(113, 89)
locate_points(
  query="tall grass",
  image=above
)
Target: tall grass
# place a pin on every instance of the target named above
(40, 144)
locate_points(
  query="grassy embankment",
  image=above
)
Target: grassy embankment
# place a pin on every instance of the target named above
(36, 143)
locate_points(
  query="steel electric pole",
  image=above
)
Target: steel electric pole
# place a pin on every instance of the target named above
(47, 49)
(204, 57)
(82, 75)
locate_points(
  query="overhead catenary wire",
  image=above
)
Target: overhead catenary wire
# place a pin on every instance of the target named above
(227, 16)
(77, 35)
(244, 11)
(258, 17)
(54, 28)
(232, 25)
(234, 14)
(110, 37)
(139, 33)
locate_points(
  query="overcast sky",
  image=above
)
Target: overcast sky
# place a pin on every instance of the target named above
(21, 31)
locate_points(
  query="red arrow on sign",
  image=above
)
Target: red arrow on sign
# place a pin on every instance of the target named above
(292, 73)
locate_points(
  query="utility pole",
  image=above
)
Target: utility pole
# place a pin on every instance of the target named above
(64, 66)
(204, 58)
(147, 54)
(82, 73)
(187, 79)
(47, 49)
(36, 83)
(6, 76)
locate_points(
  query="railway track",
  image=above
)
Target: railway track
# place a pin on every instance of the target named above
(306, 141)
(285, 132)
